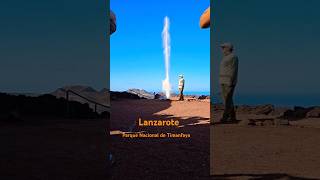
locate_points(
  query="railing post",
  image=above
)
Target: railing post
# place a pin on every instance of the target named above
(68, 105)
(89, 101)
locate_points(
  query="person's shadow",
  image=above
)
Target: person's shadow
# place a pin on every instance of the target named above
(191, 155)
(226, 122)
(272, 176)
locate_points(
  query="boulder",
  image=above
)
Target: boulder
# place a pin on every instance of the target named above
(157, 96)
(141, 93)
(123, 95)
(296, 113)
(313, 113)
(203, 97)
(263, 109)
(261, 122)
(279, 111)
(244, 109)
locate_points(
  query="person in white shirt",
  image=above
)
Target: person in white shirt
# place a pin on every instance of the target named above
(181, 87)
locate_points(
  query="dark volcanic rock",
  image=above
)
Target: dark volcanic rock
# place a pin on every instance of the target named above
(13, 108)
(104, 90)
(244, 109)
(123, 95)
(141, 93)
(157, 96)
(79, 88)
(88, 92)
(296, 113)
(203, 97)
(279, 111)
(258, 110)
(263, 109)
(313, 113)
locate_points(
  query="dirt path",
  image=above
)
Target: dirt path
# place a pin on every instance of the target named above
(54, 150)
(270, 152)
(167, 158)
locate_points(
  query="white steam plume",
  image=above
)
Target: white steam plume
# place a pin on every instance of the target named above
(166, 87)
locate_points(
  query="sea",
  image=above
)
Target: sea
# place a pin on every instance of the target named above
(197, 93)
(279, 100)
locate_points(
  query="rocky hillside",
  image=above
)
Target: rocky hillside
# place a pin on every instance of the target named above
(141, 93)
(101, 97)
(294, 113)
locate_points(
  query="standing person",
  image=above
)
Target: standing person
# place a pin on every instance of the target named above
(228, 79)
(181, 87)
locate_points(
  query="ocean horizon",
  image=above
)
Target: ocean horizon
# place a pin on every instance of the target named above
(196, 93)
(279, 100)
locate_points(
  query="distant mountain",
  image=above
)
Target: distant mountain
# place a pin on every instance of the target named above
(18, 108)
(104, 90)
(101, 97)
(80, 88)
(141, 93)
(25, 94)
(115, 95)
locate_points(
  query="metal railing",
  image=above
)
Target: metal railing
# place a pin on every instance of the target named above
(68, 91)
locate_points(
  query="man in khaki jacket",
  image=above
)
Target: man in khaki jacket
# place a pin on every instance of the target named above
(181, 87)
(228, 79)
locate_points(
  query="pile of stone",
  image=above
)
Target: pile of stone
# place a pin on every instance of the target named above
(283, 113)
(258, 110)
(114, 95)
(141, 93)
(203, 97)
(313, 113)
(300, 113)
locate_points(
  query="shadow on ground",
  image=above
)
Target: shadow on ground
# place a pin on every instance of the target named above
(275, 176)
(166, 158)
(39, 141)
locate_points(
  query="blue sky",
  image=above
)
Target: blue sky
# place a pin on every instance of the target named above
(277, 43)
(137, 59)
(48, 44)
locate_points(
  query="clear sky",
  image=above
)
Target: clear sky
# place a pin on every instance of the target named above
(277, 43)
(48, 44)
(137, 59)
